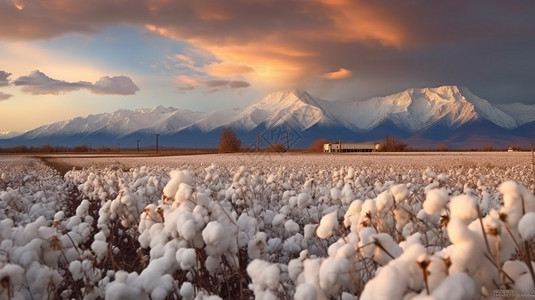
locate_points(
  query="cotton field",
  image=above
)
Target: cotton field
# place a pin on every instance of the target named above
(258, 226)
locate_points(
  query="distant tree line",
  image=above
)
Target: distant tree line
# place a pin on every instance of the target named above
(47, 148)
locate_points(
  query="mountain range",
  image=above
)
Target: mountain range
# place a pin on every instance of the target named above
(422, 117)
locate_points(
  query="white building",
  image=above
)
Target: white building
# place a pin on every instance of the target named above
(350, 147)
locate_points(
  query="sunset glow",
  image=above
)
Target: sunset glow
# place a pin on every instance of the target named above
(204, 55)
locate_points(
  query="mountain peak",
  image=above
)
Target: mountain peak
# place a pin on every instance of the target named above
(288, 96)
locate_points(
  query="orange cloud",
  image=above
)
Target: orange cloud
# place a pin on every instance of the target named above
(336, 75)
(223, 69)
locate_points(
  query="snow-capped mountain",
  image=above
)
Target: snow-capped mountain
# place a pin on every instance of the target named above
(423, 115)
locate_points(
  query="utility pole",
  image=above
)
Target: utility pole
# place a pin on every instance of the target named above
(257, 140)
(137, 146)
(287, 139)
(157, 135)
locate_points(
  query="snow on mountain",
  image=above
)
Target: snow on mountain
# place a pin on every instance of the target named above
(523, 113)
(412, 111)
(294, 107)
(9, 134)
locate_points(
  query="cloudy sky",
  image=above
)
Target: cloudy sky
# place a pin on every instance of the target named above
(65, 58)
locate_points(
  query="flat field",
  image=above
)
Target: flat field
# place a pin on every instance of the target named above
(267, 226)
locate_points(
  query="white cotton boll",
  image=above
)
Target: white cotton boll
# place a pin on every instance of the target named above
(212, 264)
(386, 248)
(347, 251)
(431, 186)
(311, 271)
(458, 231)
(295, 268)
(306, 291)
(59, 216)
(457, 286)
(161, 291)
(100, 248)
(334, 274)
(389, 283)
(333, 248)
(6, 227)
(526, 226)
(187, 258)
(274, 245)
(187, 291)
(73, 221)
(328, 225)
(183, 196)
(467, 251)
(291, 227)
(271, 178)
(264, 274)
(177, 177)
(335, 194)
(11, 274)
(310, 230)
(187, 229)
(303, 200)
(435, 200)
(256, 246)
(442, 178)
(278, 220)
(347, 194)
(384, 201)
(464, 207)
(83, 208)
(437, 271)
(366, 243)
(368, 207)
(354, 209)
(400, 192)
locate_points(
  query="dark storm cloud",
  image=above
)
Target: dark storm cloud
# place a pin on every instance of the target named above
(385, 46)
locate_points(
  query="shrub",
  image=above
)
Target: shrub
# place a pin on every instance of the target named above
(228, 141)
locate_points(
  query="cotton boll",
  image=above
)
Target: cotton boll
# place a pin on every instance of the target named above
(257, 245)
(328, 225)
(368, 210)
(82, 209)
(467, 252)
(303, 200)
(366, 243)
(187, 258)
(386, 249)
(187, 291)
(311, 273)
(389, 283)
(335, 194)
(75, 267)
(278, 220)
(12, 275)
(526, 226)
(457, 286)
(352, 211)
(306, 291)
(310, 230)
(334, 275)
(400, 192)
(183, 196)
(264, 275)
(291, 227)
(212, 264)
(464, 207)
(295, 268)
(435, 200)
(384, 201)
